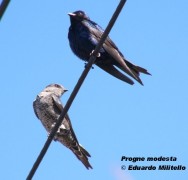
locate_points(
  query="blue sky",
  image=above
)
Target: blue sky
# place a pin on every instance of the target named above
(111, 118)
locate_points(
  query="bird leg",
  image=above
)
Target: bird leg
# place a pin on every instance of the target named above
(98, 54)
(61, 131)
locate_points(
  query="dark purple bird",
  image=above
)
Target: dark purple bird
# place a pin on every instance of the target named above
(84, 36)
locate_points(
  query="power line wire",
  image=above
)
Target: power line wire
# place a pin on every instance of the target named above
(76, 89)
(3, 7)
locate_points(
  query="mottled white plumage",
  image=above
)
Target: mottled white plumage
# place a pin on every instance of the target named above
(48, 107)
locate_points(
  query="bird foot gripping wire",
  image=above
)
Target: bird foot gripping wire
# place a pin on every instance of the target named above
(61, 131)
(98, 54)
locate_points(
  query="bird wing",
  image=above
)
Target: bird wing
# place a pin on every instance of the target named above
(109, 46)
(109, 68)
(59, 106)
(77, 149)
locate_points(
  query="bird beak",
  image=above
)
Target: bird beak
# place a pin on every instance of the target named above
(65, 90)
(71, 14)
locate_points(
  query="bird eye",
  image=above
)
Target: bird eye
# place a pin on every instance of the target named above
(80, 13)
(57, 85)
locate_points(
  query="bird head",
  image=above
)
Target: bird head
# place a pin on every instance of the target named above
(78, 16)
(56, 89)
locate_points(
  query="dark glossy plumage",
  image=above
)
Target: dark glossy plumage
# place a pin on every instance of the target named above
(85, 34)
(48, 108)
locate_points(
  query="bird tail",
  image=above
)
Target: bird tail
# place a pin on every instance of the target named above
(82, 155)
(135, 71)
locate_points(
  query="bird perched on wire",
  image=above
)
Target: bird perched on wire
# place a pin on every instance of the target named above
(84, 35)
(48, 107)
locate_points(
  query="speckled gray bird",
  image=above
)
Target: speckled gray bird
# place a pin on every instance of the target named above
(48, 107)
(84, 35)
